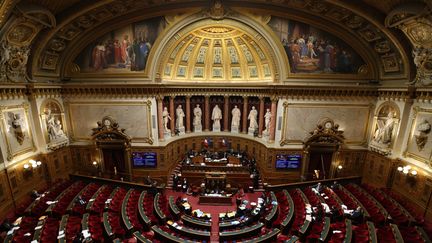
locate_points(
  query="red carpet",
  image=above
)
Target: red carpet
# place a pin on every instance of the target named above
(214, 210)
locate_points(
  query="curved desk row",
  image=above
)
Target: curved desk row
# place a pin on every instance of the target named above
(196, 222)
(93, 198)
(183, 230)
(125, 217)
(286, 222)
(62, 229)
(396, 233)
(273, 213)
(305, 226)
(372, 232)
(326, 229)
(373, 199)
(173, 207)
(143, 215)
(167, 236)
(348, 231)
(141, 238)
(157, 208)
(241, 233)
(268, 237)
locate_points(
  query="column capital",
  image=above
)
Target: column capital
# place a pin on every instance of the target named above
(261, 98)
(173, 96)
(274, 99)
(159, 98)
(188, 96)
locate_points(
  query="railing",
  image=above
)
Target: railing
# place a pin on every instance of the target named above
(301, 185)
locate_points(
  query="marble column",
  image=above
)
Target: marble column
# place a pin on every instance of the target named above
(188, 114)
(160, 118)
(245, 115)
(261, 113)
(172, 115)
(274, 101)
(207, 113)
(226, 112)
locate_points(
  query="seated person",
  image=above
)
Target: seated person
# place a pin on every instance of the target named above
(335, 185)
(335, 214)
(34, 194)
(357, 214)
(80, 200)
(318, 188)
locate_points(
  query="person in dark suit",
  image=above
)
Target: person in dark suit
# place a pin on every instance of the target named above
(357, 214)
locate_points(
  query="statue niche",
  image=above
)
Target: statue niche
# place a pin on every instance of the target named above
(385, 126)
(53, 120)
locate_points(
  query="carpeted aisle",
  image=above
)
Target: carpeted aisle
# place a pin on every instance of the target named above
(214, 210)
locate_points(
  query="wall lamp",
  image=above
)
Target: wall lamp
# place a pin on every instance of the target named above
(407, 170)
(32, 164)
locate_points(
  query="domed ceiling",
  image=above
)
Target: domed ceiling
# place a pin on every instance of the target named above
(218, 53)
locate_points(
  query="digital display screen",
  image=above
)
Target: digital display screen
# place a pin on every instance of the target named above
(288, 161)
(144, 159)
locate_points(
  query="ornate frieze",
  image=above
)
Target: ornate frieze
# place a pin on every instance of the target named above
(15, 44)
(415, 20)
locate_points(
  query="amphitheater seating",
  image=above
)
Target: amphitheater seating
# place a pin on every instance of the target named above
(117, 215)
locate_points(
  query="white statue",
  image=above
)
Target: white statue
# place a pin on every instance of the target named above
(197, 115)
(54, 126)
(253, 114)
(383, 134)
(267, 118)
(216, 117)
(165, 118)
(180, 116)
(236, 114)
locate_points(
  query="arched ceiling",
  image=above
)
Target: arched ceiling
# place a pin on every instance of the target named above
(360, 21)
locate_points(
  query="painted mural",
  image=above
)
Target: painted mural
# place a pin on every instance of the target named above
(311, 50)
(122, 50)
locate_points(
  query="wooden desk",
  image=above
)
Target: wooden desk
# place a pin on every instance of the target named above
(38, 230)
(85, 225)
(423, 234)
(214, 200)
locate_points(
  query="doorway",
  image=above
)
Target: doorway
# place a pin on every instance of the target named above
(320, 164)
(114, 158)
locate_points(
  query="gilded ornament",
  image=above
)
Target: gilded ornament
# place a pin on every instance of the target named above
(354, 22)
(382, 47)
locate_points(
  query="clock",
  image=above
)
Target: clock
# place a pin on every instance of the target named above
(328, 125)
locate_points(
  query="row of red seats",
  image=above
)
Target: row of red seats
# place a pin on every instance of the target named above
(405, 203)
(63, 202)
(163, 206)
(114, 221)
(96, 228)
(50, 230)
(395, 212)
(99, 202)
(117, 200)
(360, 233)
(385, 234)
(73, 226)
(283, 208)
(376, 215)
(329, 198)
(78, 208)
(346, 199)
(25, 233)
(339, 230)
(317, 225)
(148, 208)
(300, 211)
(132, 209)
(40, 207)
